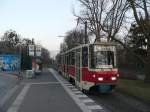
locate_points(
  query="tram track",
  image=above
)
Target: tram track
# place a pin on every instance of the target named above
(117, 102)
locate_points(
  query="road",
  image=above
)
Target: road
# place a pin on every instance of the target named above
(7, 81)
(118, 102)
(49, 92)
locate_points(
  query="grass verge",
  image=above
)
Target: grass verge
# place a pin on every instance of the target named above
(136, 88)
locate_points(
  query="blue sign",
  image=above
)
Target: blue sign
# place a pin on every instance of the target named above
(10, 62)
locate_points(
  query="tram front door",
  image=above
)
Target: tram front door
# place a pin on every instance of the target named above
(78, 67)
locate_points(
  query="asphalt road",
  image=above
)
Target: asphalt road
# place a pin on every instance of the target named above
(49, 92)
(7, 81)
(119, 102)
(43, 94)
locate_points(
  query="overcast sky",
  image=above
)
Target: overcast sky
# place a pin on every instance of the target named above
(43, 20)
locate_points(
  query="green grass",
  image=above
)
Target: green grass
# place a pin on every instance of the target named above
(135, 88)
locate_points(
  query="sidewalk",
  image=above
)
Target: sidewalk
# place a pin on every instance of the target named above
(7, 82)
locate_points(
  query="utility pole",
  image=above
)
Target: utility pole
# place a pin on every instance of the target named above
(85, 38)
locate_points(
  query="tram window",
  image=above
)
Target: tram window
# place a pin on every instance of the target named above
(62, 59)
(59, 59)
(100, 59)
(92, 62)
(69, 60)
(65, 59)
(84, 56)
(72, 58)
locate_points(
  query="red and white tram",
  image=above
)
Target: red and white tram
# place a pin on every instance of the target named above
(91, 66)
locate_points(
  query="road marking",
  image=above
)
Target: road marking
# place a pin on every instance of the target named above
(94, 107)
(87, 101)
(74, 89)
(70, 86)
(82, 106)
(77, 97)
(81, 96)
(8, 95)
(16, 104)
(40, 83)
(78, 92)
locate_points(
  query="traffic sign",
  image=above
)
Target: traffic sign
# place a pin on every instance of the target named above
(38, 50)
(31, 50)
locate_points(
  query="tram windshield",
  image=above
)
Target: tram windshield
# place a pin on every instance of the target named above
(101, 56)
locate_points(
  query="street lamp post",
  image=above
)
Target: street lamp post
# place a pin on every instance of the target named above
(20, 53)
(85, 29)
(85, 32)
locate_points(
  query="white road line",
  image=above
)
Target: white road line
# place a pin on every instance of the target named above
(78, 92)
(94, 107)
(74, 89)
(16, 104)
(40, 83)
(8, 95)
(70, 86)
(81, 96)
(82, 106)
(88, 101)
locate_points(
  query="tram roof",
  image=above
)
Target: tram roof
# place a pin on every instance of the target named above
(84, 45)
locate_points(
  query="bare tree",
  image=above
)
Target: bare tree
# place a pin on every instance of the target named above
(74, 38)
(63, 47)
(115, 18)
(104, 17)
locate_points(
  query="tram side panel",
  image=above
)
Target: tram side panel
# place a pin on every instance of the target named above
(71, 71)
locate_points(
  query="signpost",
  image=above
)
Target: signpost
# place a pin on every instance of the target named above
(38, 50)
(35, 53)
(31, 50)
(35, 50)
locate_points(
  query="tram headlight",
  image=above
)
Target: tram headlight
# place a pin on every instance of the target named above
(118, 75)
(100, 79)
(113, 78)
(94, 76)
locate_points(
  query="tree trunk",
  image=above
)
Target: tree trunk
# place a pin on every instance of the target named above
(97, 40)
(147, 72)
(147, 63)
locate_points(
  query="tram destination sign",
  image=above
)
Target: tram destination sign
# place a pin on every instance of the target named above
(104, 48)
